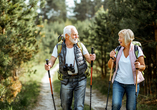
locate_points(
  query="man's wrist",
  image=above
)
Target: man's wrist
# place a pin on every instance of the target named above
(50, 65)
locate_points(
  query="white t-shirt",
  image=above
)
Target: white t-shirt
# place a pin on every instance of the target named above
(70, 56)
(124, 72)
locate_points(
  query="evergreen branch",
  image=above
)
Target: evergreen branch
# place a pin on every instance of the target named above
(150, 25)
(152, 10)
(144, 40)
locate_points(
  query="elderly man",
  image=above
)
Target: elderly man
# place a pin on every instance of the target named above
(72, 67)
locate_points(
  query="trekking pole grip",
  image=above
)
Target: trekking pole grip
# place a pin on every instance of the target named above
(47, 61)
(92, 52)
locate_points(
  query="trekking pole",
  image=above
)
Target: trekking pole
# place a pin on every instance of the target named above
(92, 51)
(51, 85)
(109, 82)
(136, 85)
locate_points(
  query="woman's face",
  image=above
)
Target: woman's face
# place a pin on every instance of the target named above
(121, 40)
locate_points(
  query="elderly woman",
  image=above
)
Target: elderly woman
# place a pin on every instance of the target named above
(124, 77)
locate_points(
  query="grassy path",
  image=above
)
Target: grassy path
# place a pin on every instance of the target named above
(45, 101)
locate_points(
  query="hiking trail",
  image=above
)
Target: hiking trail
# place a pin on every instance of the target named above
(45, 101)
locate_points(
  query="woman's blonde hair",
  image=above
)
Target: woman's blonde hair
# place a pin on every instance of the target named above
(127, 34)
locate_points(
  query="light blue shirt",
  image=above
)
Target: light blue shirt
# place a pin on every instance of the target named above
(124, 73)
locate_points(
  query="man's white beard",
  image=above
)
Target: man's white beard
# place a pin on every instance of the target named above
(73, 40)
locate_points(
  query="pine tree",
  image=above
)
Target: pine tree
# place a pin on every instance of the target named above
(54, 10)
(100, 36)
(18, 33)
(86, 9)
(52, 32)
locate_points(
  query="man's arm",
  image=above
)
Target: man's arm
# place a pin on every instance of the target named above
(90, 57)
(51, 63)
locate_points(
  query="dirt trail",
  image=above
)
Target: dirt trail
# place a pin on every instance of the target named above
(45, 99)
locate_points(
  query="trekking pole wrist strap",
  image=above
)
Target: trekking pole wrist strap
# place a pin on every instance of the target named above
(112, 58)
(50, 64)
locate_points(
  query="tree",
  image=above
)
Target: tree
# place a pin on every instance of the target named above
(54, 10)
(86, 8)
(100, 36)
(18, 33)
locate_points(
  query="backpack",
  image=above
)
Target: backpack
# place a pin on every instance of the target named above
(59, 48)
(136, 51)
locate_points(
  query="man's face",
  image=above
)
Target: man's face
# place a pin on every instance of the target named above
(74, 36)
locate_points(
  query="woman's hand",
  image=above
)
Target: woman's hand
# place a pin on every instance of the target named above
(140, 64)
(112, 53)
(137, 65)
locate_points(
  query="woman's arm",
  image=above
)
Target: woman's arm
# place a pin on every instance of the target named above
(112, 58)
(140, 64)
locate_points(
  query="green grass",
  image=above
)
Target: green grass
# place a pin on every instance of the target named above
(100, 84)
(57, 86)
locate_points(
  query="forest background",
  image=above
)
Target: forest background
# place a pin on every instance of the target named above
(29, 30)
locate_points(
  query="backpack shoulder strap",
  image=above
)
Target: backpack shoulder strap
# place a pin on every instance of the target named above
(80, 46)
(59, 47)
(117, 49)
(136, 51)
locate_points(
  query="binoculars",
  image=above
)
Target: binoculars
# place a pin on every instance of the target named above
(69, 68)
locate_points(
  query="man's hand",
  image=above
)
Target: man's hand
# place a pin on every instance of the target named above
(47, 67)
(51, 63)
(92, 57)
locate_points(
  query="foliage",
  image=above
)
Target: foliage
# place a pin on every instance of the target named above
(81, 26)
(54, 10)
(51, 33)
(99, 29)
(27, 98)
(18, 33)
(86, 8)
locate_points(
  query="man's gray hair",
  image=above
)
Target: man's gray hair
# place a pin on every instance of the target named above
(67, 30)
(128, 35)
